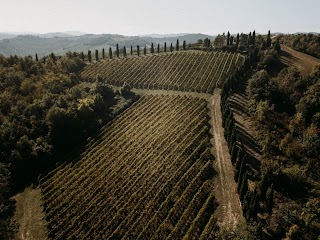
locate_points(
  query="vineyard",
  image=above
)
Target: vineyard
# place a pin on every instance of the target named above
(192, 71)
(148, 174)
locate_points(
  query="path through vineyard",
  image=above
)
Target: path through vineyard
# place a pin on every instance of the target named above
(229, 212)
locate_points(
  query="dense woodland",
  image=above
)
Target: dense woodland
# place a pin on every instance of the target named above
(307, 43)
(46, 110)
(284, 202)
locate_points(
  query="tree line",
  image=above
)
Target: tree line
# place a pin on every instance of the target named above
(284, 108)
(134, 51)
(46, 111)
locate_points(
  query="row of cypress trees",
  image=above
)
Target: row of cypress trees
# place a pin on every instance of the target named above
(263, 192)
(124, 50)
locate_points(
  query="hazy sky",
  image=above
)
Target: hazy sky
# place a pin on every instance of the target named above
(130, 17)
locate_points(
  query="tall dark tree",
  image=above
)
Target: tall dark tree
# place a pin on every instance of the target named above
(110, 53)
(124, 51)
(249, 39)
(244, 187)
(152, 49)
(209, 43)
(131, 50)
(97, 55)
(82, 56)
(117, 50)
(138, 50)
(89, 56)
(165, 47)
(177, 45)
(184, 45)
(145, 50)
(171, 48)
(228, 38)
(269, 200)
(158, 48)
(237, 41)
(253, 41)
(103, 56)
(234, 153)
(269, 39)
(37, 57)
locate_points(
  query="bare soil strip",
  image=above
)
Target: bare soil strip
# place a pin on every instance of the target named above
(30, 216)
(229, 212)
(302, 61)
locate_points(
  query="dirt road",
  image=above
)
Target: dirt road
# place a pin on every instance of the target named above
(229, 212)
(29, 215)
(302, 61)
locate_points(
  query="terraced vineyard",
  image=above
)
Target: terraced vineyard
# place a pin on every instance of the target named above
(193, 71)
(148, 175)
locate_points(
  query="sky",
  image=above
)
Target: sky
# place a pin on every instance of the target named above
(139, 17)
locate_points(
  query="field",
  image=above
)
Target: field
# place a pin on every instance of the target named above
(148, 175)
(192, 71)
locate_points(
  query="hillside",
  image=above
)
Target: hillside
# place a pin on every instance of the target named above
(193, 71)
(148, 175)
(24, 45)
(304, 62)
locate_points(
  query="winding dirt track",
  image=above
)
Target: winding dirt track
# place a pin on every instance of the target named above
(229, 212)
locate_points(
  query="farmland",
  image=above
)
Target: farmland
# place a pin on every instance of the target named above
(192, 71)
(148, 175)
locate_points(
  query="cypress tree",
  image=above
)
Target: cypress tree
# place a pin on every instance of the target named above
(103, 53)
(152, 48)
(233, 137)
(158, 48)
(37, 57)
(244, 187)
(255, 205)
(238, 164)
(269, 201)
(138, 50)
(177, 45)
(44, 60)
(209, 43)
(254, 37)
(124, 51)
(89, 56)
(145, 50)
(242, 170)
(131, 50)
(246, 204)
(228, 38)
(237, 41)
(269, 39)
(165, 47)
(82, 56)
(264, 185)
(249, 39)
(171, 47)
(184, 45)
(97, 56)
(117, 50)
(234, 153)
(110, 53)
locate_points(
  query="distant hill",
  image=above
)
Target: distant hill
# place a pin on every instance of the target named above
(60, 43)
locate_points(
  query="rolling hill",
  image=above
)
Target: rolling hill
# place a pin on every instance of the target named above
(60, 43)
